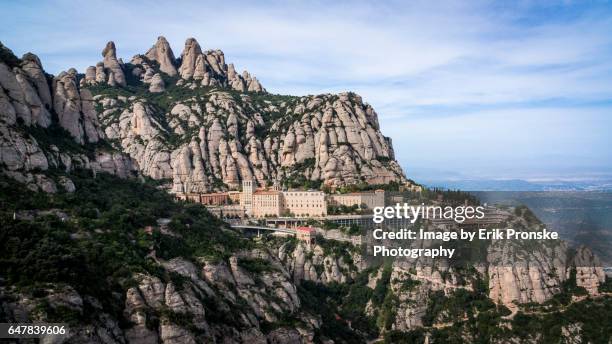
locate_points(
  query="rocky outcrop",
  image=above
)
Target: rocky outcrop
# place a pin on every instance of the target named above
(75, 108)
(25, 104)
(157, 84)
(21, 153)
(334, 139)
(189, 56)
(139, 133)
(209, 69)
(311, 263)
(532, 279)
(20, 96)
(252, 83)
(209, 302)
(103, 328)
(516, 273)
(100, 74)
(32, 67)
(213, 137)
(162, 53)
(589, 271)
(115, 72)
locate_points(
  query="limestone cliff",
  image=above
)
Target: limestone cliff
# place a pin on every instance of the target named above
(220, 127)
(511, 276)
(196, 122)
(36, 111)
(210, 302)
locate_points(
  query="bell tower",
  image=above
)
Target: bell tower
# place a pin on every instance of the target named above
(246, 198)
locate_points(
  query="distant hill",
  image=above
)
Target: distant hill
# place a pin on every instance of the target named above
(519, 185)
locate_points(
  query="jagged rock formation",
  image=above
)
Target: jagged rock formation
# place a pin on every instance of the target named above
(332, 138)
(534, 278)
(112, 64)
(247, 298)
(190, 53)
(516, 273)
(75, 109)
(206, 138)
(27, 101)
(162, 53)
(589, 271)
(310, 263)
(24, 95)
(157, 84)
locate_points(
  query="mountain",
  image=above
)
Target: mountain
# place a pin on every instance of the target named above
(121, 261)
(193, 121)
(519, 185)
(90, 236)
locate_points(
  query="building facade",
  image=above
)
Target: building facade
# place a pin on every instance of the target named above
(274, 203)
(305, 234)
(261, 203)
(266, 203)
(234, 196)
(368, 200)
(305, 203)
(246, 197)
(219, 198)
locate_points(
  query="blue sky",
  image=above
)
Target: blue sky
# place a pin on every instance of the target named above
(465, 89)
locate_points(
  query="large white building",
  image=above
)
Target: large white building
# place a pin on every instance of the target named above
(305, 203)
(265, 203)
(301, 203)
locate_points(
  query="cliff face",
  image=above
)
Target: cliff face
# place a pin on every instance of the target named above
(194, 121)
(510, 277)
(206, 302)
(36, 110)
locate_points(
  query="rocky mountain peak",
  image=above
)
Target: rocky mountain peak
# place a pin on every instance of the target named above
(189, 56)
(211, 135)
(162, 53)
(109, 50)
(32, 66)
(112, 64)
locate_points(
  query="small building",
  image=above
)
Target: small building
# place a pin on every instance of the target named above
(306, 234)
(218, 198)
(412, 187)
(369, 199)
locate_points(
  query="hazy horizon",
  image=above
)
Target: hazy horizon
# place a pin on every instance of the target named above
(477, 90)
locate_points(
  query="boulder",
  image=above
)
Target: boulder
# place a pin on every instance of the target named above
(157, 84)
